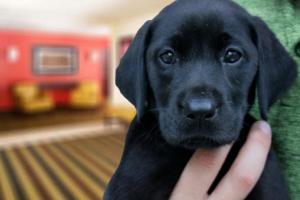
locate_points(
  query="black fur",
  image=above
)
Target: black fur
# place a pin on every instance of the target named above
(163, 137)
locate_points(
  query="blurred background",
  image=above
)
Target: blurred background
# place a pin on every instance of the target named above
(62, 119)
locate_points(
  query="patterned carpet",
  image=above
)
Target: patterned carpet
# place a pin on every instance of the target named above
(77, 169)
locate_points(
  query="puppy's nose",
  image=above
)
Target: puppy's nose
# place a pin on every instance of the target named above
(199, 108)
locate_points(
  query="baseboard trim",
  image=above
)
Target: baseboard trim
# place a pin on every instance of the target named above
(19, 138)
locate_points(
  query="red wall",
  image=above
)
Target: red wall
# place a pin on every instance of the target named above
(21, 70)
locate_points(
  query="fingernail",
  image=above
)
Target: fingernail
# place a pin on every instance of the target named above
(264, 127)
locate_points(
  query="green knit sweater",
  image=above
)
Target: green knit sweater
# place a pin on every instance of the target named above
(283, 17)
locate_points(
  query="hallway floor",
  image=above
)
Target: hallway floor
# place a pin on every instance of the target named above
(77, 169)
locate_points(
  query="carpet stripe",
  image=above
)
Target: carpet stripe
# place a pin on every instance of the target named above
(118, 140)
(88, 187)
(110, 148)
(30, 190)
(44, 179)
(55, 173)
(70, 181)
(109, 140)
(98, 151)
(114, 154)
(60, 170)
(16, 185)
(113, 144)
(6, 184)
(96, 168)
(84, 166)
(39, 190)
(98, 155)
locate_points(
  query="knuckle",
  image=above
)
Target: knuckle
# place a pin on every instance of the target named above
(214, 157)
(246, 181)
(209, 160)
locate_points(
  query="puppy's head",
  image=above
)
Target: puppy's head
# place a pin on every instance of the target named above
(198, 64)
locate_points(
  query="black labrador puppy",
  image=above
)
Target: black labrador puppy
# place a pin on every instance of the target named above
(192, 73)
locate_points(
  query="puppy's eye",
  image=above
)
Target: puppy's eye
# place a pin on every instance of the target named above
(168, 57)
(232, 56)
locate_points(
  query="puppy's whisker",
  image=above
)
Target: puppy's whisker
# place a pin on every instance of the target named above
(155, 110)
(229, 102)
(149, 135)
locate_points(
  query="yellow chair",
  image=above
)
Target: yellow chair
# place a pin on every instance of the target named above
(86, 95)
(123, 113)
(29, 99)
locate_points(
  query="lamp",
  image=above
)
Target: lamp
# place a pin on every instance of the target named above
(13, 54)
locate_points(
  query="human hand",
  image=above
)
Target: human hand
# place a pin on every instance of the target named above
(204, 165)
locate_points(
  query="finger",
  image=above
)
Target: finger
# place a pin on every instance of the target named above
(247, 167)
(199, 173)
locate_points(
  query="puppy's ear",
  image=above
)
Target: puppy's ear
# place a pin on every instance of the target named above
(276, 69)
(131, 75)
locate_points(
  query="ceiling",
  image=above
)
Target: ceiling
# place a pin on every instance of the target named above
(72, 15)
